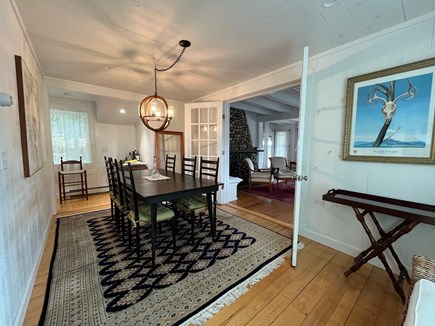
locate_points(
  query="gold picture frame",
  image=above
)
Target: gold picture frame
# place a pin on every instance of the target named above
(390, 115)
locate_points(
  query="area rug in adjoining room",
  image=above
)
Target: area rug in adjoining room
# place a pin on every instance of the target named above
(283, 192)
(95, 278)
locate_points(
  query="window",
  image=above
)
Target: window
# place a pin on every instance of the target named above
(281, 143)
(70, 135)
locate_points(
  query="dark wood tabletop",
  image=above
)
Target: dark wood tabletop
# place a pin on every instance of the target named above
(390, 206)
(177, 186)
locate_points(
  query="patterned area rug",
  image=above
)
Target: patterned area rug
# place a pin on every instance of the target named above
(95, 278)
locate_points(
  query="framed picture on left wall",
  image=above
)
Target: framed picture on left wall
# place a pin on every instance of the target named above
(30, 126)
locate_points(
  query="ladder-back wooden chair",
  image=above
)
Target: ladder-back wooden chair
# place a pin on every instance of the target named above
(140, 213)
(198, 204)
(72, 174)
(119, 197)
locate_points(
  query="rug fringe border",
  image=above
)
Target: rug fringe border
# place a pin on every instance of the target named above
(231, 296)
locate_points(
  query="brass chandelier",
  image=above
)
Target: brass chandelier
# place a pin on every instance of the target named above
(153, 110)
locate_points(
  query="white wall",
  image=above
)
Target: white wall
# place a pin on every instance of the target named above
(332, 224)
(116, 140)
(26, 204)
(111, 140)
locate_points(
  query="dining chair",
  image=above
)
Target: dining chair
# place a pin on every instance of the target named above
(140, 213)
(119, 197)
(107, 163)
(258, 175)
(189, 166)
(197, 204)
(170, 163)
(68, 176)
(281, 170)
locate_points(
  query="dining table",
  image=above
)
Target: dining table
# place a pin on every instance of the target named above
(169, 186)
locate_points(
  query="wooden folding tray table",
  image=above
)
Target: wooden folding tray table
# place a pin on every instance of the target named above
(412, 214)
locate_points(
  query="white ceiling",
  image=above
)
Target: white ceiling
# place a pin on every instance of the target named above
(116, 43)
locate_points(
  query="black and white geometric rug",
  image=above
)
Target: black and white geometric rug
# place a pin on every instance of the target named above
(95, 278)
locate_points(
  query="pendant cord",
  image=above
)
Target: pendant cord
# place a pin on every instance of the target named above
(166, 69)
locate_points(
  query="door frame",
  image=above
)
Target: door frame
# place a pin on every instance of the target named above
(157, 145)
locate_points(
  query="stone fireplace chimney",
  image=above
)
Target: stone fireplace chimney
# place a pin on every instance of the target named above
(240, 144)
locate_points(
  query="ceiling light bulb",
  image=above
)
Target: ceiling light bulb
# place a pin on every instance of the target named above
(153, 107)
(329, 3)
(122, 110)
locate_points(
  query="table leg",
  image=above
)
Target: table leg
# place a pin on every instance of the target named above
(211, 215)
(403, 270)
(153, 232)
(379, 246)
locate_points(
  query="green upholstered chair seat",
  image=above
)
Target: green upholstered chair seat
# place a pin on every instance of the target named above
(144, 210)
(192, 202)
(118, 203)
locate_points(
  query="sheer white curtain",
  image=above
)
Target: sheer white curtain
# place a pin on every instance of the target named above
(281, 143)
(71, 125)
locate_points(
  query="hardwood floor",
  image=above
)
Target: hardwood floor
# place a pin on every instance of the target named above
(278, 210)
(314, 293)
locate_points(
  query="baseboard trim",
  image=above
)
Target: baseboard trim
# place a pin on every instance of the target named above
(350, 250)
(21, 315)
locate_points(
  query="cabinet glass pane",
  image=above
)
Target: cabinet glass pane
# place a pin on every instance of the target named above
(204, 132)
(195, 146)
(203, 115)
(213, 131)
(213, 148)
(194, 116)
(194, 132)
(203, 148)
(213, 115)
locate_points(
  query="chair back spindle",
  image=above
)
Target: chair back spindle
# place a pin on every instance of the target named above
(209, 169)
(189, 166)
(131, 201)
(170, 163)
(108, 161)
(116, 181)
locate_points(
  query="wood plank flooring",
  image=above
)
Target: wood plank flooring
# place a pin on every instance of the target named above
(314, 293)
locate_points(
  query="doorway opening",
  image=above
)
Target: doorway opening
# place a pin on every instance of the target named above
(263, 126)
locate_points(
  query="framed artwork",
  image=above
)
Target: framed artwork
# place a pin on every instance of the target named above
(390, 115)
(30, 128)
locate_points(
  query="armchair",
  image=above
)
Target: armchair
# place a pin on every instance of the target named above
(258, 175)
(281, 170)
(419, 307)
